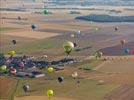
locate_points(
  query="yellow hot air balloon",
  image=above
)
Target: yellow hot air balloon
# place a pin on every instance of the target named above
(12, 53)
(50, 93)
(68, 47)
(50, 69)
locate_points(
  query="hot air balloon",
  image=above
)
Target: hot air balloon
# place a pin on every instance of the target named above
(3, 68)
(60, 79)
(19, 18)
(12, 53)
(21, 65)
(68, 47)
(26, 88)
(116, 28)
(72, 35)
(122, 42)
(78, 33)
(13, 71)
(75, 75)
(126, 50)
(98, 54)
(50, 69)
(34, 26)
(75, 45)
(50, 93)
(132, 50)
(14, 42)
(45, 11)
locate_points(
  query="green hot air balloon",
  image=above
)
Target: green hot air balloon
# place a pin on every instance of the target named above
(98, 54)
(45, 11)
(68, 47)
(3, 68)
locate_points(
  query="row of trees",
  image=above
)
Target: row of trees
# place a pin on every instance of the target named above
(106, 18)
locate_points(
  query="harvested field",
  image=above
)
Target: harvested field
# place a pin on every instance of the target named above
(124, 92)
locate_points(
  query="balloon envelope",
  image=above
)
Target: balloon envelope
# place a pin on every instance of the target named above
(13, 71)
(34, 26)
(3, 68)
(45, 11)
(14, 42)
(50, 69)
(68, 47)
(126, 51)
(12, 53)
(122, 42)
(75, 74)
(26, 88)
(50, 93)
(60, 79)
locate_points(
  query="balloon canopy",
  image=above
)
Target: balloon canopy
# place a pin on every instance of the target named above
(13, 71)
(50, 69)
(45, 11)
(75, 75)
(50, 93)
(26, 88)
(122, 42)
(3, 68)
(60, 79)
(98, 54)
(126, 50)
(34, 26)
(12, 53)
(14, 42)
(68, 47)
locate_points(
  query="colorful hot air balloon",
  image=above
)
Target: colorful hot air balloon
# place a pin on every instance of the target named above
(68, 47)
(13, 71)
(50, 69)
(50, 93)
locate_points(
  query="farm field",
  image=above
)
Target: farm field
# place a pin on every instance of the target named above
(102, 56)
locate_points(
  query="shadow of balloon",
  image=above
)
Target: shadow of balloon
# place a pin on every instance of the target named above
(81, 49)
